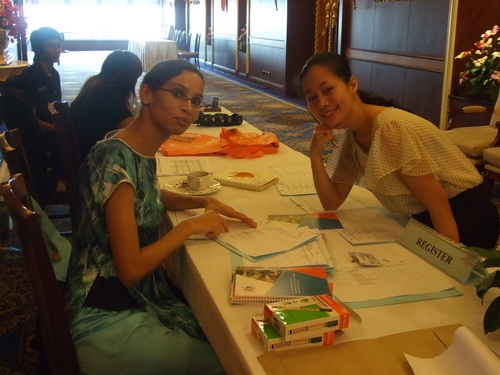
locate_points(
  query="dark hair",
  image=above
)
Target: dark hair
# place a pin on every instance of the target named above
(164, 71)
(338, 66)
(39, 37)
(120, 69)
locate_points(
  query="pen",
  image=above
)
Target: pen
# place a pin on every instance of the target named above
(335, 144)
(307, 309)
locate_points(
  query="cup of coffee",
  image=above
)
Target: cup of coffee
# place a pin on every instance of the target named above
(199, 180)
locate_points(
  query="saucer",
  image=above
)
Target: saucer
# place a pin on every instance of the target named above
(183, 188)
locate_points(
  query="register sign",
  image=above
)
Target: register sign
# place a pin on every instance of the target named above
(451, 257)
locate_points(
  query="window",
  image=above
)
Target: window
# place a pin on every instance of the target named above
(97, 19)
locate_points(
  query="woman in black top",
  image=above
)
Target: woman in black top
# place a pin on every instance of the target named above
(106, 100)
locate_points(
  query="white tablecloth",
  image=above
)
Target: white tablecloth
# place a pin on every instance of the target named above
(152, 51)
(203, 270)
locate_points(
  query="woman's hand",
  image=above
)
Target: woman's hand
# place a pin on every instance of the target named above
(224, 209)
(209, 223)
(321, 136)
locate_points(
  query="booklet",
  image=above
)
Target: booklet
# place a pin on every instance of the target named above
(269, 284)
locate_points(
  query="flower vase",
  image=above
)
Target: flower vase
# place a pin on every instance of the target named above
(5, 59)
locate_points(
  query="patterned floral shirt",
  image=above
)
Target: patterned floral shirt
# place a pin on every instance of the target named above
(401, 140)
(110, 163)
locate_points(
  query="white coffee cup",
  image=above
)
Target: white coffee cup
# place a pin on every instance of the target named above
(199, 180)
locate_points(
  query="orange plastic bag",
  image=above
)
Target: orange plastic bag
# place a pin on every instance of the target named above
(231, 142)
(190, 144)
(248, 145)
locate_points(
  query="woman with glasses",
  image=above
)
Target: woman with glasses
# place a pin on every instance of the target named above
(124, 313)
(107, 100)
(410, 166)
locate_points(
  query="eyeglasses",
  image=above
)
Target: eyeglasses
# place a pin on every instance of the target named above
(181, 97)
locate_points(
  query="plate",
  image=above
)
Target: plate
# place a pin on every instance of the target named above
(183, 188)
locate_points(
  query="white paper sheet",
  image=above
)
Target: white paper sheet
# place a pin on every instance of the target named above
(174, 166)
(467, 355)
(401, 274)
(267, 238)
(368, 225)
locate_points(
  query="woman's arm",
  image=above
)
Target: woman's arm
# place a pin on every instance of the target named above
(134, 263)
(331, 194)
(178, 202)
(432, 195)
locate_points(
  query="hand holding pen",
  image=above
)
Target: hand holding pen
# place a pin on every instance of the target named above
(332, 140)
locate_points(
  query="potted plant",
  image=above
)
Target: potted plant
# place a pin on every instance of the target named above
(481, 76)
(12, 20)
(491, 259)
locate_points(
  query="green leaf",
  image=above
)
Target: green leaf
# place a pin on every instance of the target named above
(491, 280)
(488, 254)
(491, 320)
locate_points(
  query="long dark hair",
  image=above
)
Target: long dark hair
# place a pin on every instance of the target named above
(338, 66)
(120, 69)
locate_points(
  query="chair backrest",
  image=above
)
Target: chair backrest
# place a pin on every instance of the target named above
(67, 143)
(57, 350)
(188, 42)
(182, 41)
(197, 41)
(17, 113)
(11, 146)
(463, 116)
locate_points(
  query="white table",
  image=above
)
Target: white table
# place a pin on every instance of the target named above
(203, 270)
(152, 51)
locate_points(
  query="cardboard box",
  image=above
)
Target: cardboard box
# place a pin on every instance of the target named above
(272, 340)
(306, 316)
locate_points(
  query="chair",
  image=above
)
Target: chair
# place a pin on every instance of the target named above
(181, 41)
(40, 157)
(168, 32)
(40, 182)
(67, 143)
(57, 353)
(195, 54)
(473, 140)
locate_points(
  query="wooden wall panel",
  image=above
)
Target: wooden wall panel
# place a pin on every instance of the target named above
(395, 45)
(427, 28)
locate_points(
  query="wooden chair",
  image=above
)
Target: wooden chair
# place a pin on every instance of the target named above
(40, 157)
(473, 140)
(195, 54)
(14, 153)
(67, 142)
(57, 353)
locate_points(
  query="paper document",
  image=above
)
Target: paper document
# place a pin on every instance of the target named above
(466, 355)
(401, 274)
(369, 225)
(171, 166)
(294, 179)
(267, 238)
(313, 253)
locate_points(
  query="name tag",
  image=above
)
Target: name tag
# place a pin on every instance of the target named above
(449, 256)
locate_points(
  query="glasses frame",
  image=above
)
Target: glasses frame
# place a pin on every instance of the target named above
(184, 98)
